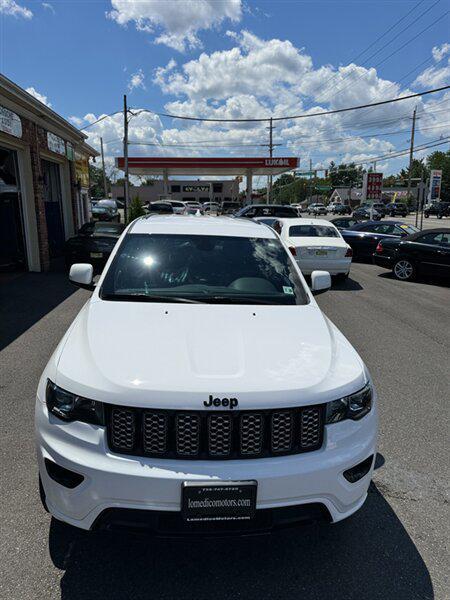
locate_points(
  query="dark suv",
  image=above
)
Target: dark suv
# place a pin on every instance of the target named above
(440, 209)
(397, 208)
(267, 210)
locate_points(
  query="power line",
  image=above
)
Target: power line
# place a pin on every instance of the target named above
(391, 54)
(100, 119)
(355, 58)
(292, 117)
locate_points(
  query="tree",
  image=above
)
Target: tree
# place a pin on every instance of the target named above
(345, 175)
(418, 170)
(96, 188)
(284, 179)
(441, 160)
(135, 210)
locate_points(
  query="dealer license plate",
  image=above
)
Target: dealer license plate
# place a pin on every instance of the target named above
(218, 501)
(96, 254)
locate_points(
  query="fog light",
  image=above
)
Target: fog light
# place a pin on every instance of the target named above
(359, 471)
(68, 479)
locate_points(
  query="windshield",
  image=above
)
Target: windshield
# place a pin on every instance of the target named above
(115, 228)
(100, 209)
(201, 268)
(312, 231)
(409, 228)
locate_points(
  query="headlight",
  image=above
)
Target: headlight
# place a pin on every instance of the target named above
(352, 407)
(70, 407)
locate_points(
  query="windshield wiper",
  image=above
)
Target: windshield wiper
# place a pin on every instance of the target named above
(235, 300)
(150, 298)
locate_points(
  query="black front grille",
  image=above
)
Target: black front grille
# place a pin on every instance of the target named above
(214, 435)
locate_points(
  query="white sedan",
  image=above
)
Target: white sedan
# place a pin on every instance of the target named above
(316, 244)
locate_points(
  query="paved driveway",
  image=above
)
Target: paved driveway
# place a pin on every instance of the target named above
(395, 547)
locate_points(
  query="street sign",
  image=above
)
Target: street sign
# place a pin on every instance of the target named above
(323, 188)
(435, 184)
(304, 173)
(372, 185)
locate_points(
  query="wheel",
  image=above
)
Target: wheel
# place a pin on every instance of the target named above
(426, 215)
(439, 216)
(404, 269)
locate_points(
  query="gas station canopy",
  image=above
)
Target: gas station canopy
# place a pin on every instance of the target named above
(207, 166)
(237, 167)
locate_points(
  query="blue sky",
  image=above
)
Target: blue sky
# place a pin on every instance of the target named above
(235, 58)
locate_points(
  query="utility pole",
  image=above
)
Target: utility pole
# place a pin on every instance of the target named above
(105, 191)
(411, 153)
(310, 180)
(126, 185)
(269, 177)
(374, 166)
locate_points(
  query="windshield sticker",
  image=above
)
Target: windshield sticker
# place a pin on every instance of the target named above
(288, 290)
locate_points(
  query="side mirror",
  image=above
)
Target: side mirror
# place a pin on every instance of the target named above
(82, 274)
(320, 281)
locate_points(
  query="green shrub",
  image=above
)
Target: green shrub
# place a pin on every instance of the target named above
(135, 209)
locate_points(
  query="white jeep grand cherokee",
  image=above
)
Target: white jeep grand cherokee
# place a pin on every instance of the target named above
(201, 387)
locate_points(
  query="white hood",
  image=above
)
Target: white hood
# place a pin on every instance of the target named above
(176, 355)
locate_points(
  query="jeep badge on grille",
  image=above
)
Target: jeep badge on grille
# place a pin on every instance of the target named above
(223, 402)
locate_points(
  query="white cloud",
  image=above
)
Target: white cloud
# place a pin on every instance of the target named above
(434, 77)
(137, 80)
(9, 7)
(440, 51)
(49, 7)
(222, 85)
(38, 96)
(175, 23)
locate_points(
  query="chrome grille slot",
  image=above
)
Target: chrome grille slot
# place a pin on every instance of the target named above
(154, 432)
(251, 433)
(123, 428)
(282, 431)
(187, 432)
(310, 427)
(220, 428)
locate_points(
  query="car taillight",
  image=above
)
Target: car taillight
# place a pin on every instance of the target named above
(292, 250)
(379, 248)
(349, 253)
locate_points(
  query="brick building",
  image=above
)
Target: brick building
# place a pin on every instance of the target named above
(44, 181)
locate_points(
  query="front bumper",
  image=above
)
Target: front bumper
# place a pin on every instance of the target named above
(113, 481)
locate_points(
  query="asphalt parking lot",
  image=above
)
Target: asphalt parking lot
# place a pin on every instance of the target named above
(395, 547)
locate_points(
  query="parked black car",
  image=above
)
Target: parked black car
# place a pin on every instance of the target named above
(440, 209)
(397, 209)
(341, 209)
(105, 210)
(364, 237)
(229, 207)
(381, 208)
(426, 252)
(93, 244)
(366, 212)
(267, 210)
(344, 222)
(159, 208)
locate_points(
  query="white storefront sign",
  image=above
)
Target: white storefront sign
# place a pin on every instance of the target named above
(56, 144)
(10, 122)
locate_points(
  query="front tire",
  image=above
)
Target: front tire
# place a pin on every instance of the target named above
(426, 216)
(404, 269)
